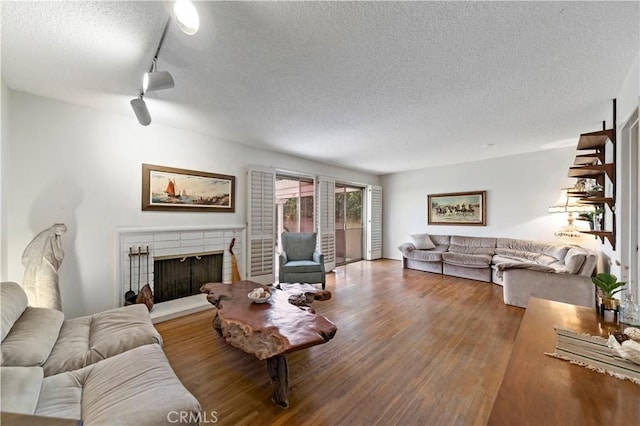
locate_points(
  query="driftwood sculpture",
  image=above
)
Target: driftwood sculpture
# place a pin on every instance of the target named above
(268, 330)
(41, 259)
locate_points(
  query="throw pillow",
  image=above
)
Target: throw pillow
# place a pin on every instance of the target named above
(422, 242)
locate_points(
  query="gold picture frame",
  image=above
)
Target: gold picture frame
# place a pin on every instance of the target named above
(172, 189)
(457, 208)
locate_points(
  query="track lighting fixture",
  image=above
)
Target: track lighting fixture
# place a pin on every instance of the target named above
(188, 21)
(140, 109)
(186, 16)
(157, 80)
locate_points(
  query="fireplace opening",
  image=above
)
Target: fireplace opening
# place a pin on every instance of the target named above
(182, 276)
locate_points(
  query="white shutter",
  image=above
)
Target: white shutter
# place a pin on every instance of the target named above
(326, 221)
(374, 223)
(261, 225)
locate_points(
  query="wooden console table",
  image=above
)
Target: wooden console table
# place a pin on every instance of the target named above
(541, 390)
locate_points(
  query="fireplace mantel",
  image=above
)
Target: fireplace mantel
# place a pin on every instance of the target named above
(171, 241)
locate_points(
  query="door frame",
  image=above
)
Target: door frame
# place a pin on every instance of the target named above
(629, 204)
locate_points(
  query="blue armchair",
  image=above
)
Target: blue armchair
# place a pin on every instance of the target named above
(300, 262)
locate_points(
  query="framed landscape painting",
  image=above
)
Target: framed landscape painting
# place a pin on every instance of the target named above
(457, 208)
(171, 189)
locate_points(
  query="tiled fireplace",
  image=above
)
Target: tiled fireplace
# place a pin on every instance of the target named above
(141, 249)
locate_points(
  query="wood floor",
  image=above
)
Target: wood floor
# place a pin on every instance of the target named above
(412, 348)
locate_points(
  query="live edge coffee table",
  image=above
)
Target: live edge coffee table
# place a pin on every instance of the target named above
(283, 324)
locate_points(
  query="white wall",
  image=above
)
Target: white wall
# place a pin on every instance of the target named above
(519, 189)
(627, 101)
(82, 167)
(4, 170)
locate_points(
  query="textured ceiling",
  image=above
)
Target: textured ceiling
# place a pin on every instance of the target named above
(375, 86)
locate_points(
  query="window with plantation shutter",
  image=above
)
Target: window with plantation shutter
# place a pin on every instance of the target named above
(374, 223)
(326, 218)
(261, 225)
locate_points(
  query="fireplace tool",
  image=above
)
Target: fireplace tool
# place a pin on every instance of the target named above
(147, 256)
(130, 294)
(139, 261)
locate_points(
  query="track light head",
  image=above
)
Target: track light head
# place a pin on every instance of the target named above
(157, 80)
(140, 110)
(186, 16)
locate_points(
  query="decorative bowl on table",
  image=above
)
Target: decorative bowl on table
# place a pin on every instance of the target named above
(626, 344)
(259, 295)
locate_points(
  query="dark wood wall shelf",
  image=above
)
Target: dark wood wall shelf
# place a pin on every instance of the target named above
(598, 200)
(592, 170)
(593, 165)
(596, 140)
(602, 235)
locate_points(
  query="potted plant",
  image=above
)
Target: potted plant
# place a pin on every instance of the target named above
(587, 217)
(608, 285)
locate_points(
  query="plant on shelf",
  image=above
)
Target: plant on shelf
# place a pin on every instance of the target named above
(587, 217)
(607, 285)
(595, 189)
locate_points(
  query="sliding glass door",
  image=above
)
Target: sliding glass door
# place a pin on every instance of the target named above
(294, 198)
(349, 223)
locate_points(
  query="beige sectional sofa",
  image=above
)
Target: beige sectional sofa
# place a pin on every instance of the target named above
(524, 268)
(104, 369)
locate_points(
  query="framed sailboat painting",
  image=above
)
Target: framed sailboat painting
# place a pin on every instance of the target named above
(171, 189)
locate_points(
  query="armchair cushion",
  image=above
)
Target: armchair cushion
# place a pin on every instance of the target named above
(299, 246)
(295, 266)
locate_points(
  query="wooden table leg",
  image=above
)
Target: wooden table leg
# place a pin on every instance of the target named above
(278, 370)
(216, 324)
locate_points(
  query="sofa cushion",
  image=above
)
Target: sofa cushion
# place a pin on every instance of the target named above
(526, 256)
(589, 265)
(410, 252)
(472, 245)
(471, 242)
(422, 242)
(555, 250)
(575, 259)
(20, 389)
(440, 240)
(133, 388)
(469, 260)
(32, 337)
(427, 255)
(470, 250)
(61, 395)
(89, 339)
(13, 300)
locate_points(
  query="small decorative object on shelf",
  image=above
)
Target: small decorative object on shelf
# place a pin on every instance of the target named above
(629, 311)
(597, 219)
(608, 286)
